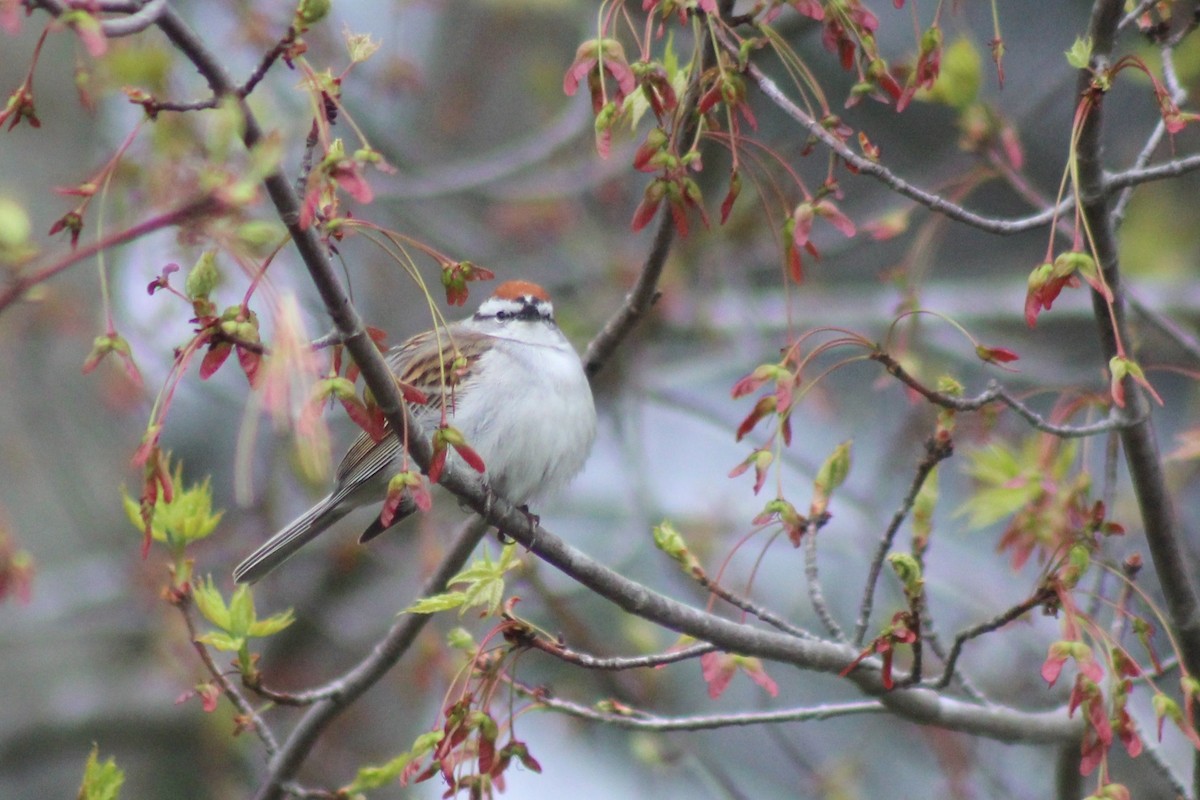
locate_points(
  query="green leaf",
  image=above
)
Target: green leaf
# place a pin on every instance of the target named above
(211, 604)
(272, 624)
(436, 603)
(222, 641)
(101, 780)
(908, 570)
(188, 516)
(960, 76)
(374, 777)
(241, 611)
(1080, 54)
(484, 580)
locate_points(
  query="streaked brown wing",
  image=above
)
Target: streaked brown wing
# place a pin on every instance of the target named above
(424, 362)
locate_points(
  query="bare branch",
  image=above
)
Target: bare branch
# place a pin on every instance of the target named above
(935, 453)
(638, 720)
(894, 182)
(1117, 419)
(995, 623)
(239, 701)
(199, 207)
(1168, 327)
(1133, 177)
(136, 22)
(615, 664)
(816, 596)
(750, 607)
(333, 698)
(1174, 568)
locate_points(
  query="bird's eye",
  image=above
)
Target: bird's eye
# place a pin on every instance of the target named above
(502, 315)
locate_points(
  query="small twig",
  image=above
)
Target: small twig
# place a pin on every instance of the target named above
(1132, 16)
(894, 182)
(306, 162)
(1038, 598)
(815, 595)
(1168, 169)
(644, 721)
(613, 664)
(261, 729)
(995, 393)
(750, 607)
(1182, 338)
(935, 452)
(266, 62)
(243, 91)
(934, 640)
(201, 206)
(1178, 95)
(645, 292)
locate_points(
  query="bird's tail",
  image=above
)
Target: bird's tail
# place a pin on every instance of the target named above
(283, 545)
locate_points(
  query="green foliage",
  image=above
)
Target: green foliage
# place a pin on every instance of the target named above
(668, 539)
(374, 777)
(101, 780)
(1080, 54)
(180, 519)
(237, 622)
(484, 580)
(960, 77)
(1010, 480)
(15, 229)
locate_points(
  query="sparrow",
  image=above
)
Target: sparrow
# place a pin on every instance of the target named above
(507, 379)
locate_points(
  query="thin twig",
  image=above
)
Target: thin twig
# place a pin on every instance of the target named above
(1117, 418)
(644, 293)
(243, 91)
(866, 166)
(639, 720)
(750, 607)
(935, 453)
(934, 640)
(1178, 95)
(996, 623)
(1181, 337)
(614, 664)
(239, 701)
(816, 596)
(198, 207)
(1132, 16)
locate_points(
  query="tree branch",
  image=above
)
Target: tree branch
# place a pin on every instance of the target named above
(866, 166)
(616, 664)
(1171, 562)
(637, 720)
(333, 698)
(1117, 419)
(935, 453)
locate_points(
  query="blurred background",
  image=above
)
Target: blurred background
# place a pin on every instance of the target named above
(496, 165)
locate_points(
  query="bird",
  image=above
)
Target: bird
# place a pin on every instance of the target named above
(509, 381)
